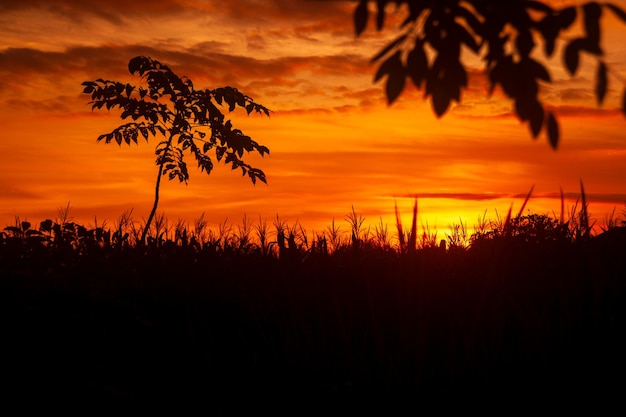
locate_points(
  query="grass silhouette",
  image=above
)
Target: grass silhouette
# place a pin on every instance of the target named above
(528, 310)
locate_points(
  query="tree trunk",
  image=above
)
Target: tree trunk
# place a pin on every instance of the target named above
(156, 197)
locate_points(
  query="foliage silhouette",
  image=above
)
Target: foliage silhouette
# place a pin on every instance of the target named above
(502, 34)
(491, 325)
(172, 107)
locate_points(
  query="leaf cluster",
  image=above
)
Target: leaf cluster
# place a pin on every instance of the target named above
(502, 34)
(189, 119)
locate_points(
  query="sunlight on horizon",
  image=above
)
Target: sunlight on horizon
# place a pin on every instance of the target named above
(334, 141)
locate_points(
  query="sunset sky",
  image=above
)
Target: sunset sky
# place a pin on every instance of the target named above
(334, 142)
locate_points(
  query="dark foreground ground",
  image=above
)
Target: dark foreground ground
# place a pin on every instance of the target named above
(500, 327)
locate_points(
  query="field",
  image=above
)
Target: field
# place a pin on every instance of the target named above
(528, 311)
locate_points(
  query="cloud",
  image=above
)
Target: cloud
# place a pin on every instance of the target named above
(578, 111)
(10, 192)
(615, 198)
(192, 61)
(459, 196)
(117, 11)
(575, 94)
(283, 82)
(59, 106)
(279, 11)
(592, 197)
(111, 10)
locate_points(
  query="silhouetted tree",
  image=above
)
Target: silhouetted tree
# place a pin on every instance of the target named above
(170, 106)
(502, 34)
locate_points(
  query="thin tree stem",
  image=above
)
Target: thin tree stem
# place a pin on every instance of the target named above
(156, 195)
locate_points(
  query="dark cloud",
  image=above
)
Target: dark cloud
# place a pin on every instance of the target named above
(22, 68)
(193, 61)
(25, 61)
(575, 94)
(592, 197)
(13, 192)
(209, 46)
(114, 11)
(461, 196)
(274, 12)
(277, 11)
(61, 105)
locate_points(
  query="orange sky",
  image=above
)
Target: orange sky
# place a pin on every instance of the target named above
(334, 142)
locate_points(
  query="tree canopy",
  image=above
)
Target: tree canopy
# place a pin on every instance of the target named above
(503, 34)
(189, 120)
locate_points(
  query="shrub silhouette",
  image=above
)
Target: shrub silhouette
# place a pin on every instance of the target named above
(170, 106)
(202, 320)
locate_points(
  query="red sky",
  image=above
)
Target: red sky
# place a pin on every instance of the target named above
(334, 141)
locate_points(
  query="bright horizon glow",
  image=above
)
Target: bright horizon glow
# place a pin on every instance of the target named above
(334, 142)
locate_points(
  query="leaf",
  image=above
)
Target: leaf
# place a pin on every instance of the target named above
(144, 132)
(553, 131)
(417, 65)
(360, 17)
(135, 64)
(441, 102)
(570, 55)
(394, 86)
(537, 70)
(380, 17)
(601, 82)
(219, 152)
(621, 14)
(566, 17)
(591, 47)
(524, 43)
(536, 118)
(46, 225)
(89, 87)
(549, 29)
(592, 12)
(388, 66)
(395, 77)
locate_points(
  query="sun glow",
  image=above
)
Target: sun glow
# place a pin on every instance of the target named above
(335, 143)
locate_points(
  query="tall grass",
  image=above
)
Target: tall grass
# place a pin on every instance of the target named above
(279, 237)
(262, 310)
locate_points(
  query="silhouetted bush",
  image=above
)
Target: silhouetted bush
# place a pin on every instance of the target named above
(226, 324)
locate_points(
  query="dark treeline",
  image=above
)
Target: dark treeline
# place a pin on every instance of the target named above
(527, 314)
